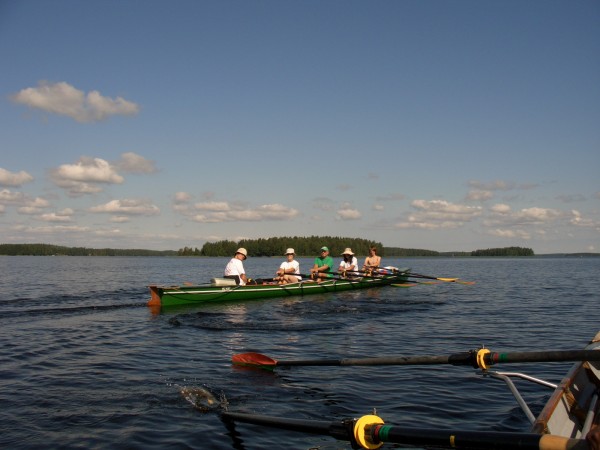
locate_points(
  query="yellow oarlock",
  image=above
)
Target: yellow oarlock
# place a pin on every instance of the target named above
(360, 433)
(481, 358)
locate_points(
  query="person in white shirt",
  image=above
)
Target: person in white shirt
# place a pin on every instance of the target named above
(289, 270)
(349, 263)
(235, 268)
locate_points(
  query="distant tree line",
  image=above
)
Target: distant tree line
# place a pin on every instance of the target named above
(506, 251)
(57, 250)
(303, 246)
(188, 251)
(406, 252)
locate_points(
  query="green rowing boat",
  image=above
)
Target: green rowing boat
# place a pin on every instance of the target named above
(223, 289)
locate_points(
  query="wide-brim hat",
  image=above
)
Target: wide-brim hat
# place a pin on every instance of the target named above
(288, 251)
(242, 251)
(348, 251)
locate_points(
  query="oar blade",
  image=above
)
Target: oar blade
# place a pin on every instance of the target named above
(403, 285)
(253, 359)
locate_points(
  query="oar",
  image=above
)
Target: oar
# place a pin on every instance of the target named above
(479, 359)
(447, 280)
(370, 432)
(417, 275)
(333, 276)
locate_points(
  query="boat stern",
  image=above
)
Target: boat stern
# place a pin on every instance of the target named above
(155, 295)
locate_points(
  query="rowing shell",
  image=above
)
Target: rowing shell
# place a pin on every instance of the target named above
(220, 290)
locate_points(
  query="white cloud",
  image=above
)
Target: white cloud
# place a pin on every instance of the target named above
(276, 211)
(120, 219)
(537, 215)
(33, 206)
(434, 214)
(182, 197)
(61, 216)
(502, 215)
(83, 176)
(89, 170)
(213, 206)
(14, 179)
(498, 185)
(133, 163)
(127, 207)
(223, 212)
(443, 210)
(51, 229)
(479, 195)
(63, 99)
(500, 208)
(11, 198)
(509, 234)
(579, 221)
(348, 214)
(25, 204)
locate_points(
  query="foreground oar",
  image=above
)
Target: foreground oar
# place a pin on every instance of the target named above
(480, 359)
(370, 432)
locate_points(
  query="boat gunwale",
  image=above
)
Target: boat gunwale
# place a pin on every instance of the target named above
(563, 390)
(305, 284)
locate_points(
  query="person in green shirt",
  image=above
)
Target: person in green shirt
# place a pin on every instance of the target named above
(323, 267)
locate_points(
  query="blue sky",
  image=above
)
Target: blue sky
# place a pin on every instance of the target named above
(444, 125)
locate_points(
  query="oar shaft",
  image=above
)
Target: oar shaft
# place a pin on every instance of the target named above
(465, 439)
(376, 433)
(543, 356)
(377, 361)
(305, 426)
(478, 359)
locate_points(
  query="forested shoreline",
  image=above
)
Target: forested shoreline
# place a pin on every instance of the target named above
(58, 250)
(304, 246)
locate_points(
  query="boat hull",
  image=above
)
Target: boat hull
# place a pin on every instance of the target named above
(186, 295)
(574, 401)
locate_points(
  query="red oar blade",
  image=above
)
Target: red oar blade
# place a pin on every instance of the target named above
(254, 360)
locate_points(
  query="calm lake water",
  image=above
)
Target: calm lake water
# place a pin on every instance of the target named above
(85, 364)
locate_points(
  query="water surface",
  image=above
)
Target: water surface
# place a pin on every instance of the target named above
(85, 364)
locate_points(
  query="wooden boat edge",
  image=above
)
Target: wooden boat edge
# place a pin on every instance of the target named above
(564, 397)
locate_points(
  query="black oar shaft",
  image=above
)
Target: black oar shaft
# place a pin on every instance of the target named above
(456, 359)
(543, 356)
(341, 430)
(378, 361)
(465, 439)
(430, 437)
(306, 426)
